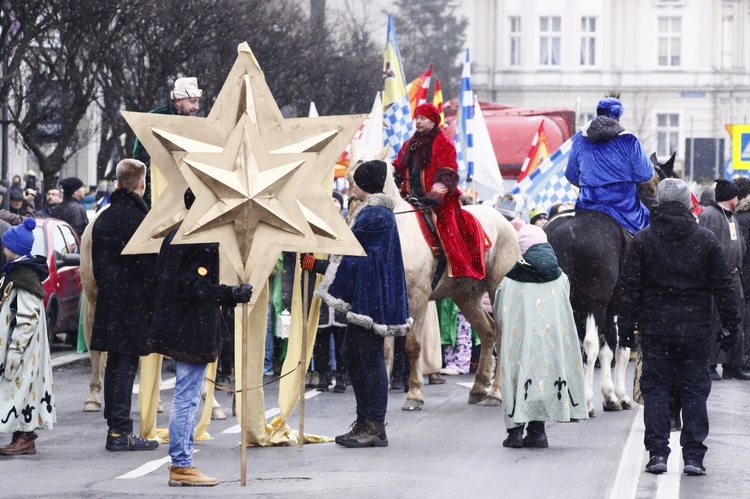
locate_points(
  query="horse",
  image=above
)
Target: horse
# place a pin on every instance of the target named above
(420, 266)
(591, 248)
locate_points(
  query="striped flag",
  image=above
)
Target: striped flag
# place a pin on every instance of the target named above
(417, 90)
(397, 122)
(437, 100)
(538, 153)
(547, 184)
(464, 138)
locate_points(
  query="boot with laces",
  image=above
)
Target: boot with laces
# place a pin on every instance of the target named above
(355, 427)
(372, 434)
(189, 476)
(22, 443)
(118, 442)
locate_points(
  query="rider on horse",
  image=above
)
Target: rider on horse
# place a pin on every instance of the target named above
(606, 163)
(426, 169)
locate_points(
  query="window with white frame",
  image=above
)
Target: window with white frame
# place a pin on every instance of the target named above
(515, 40)
(667, 133)
(588, 41)
(549, 40)
(670, 41)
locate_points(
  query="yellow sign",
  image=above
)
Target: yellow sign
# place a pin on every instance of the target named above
(740, 146)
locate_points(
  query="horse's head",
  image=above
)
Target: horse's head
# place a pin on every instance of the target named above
(647, 190)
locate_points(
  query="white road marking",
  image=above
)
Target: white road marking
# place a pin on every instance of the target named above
(631, 462)
(270, 413)
(68, 358)
(166, 384)
(467, 385)
(668, 486)
(148, 467)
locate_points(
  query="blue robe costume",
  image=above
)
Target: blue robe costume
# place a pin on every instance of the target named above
(371, 290)
(607, 163)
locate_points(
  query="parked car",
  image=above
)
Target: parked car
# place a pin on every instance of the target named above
(57, 241)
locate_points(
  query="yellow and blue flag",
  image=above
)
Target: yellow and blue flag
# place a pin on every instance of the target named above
(397, 122)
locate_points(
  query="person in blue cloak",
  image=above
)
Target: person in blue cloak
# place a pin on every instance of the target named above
(371, 291)
(607, 163)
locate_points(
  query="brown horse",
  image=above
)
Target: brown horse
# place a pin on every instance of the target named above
(420, 266)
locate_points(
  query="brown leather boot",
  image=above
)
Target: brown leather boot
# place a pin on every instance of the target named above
(23, 444)
(189, 477)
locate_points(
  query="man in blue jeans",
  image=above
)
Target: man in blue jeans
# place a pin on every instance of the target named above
(187, 327)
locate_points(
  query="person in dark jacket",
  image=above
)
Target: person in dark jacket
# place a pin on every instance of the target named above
(15, 218)
(186, 327)
(71, 210)
(719, 218)
(371, 290)
(124, 304)
(673, 271)
(742, 212)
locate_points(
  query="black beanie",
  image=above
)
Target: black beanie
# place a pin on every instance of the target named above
(725, 190)
(70, 185)
(370, 176)
(338, 197)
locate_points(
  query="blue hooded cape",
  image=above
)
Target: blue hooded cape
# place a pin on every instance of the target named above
(607, 163)
(371, 290)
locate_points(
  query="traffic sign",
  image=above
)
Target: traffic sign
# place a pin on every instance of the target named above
(740, 147)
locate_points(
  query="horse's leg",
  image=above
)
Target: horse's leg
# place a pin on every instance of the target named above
(415, 397)
(98, 360)
(471, 307)
(591, 349)
(606, 354)
(622, 357)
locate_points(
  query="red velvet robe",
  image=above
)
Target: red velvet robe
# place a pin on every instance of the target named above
(461, 235)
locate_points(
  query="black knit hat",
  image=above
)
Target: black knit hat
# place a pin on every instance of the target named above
(370, 176)
(725, 190)
(70, 185)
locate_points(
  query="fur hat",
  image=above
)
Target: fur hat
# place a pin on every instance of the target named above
(70, 185)
(20, 238)
(610, 107)
(674, 189)
(529, 235)
(186, 88)
(725, 190)
(429, 111)
(370, 176)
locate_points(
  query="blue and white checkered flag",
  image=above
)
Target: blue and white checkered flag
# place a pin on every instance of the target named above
(464, 138)
(397, 120)
(547, 184)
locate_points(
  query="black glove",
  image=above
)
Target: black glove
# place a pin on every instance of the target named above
(242, 293)
(308, 262)
(626, 337)
(428, 202)
(726, 338)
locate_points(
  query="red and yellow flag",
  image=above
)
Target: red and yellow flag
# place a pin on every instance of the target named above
(417, 90)
(538, 154)
(437, 100)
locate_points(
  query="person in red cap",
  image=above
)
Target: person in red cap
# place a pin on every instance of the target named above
(426, 169)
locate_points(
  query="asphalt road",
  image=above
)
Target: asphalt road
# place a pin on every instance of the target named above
(450, 449)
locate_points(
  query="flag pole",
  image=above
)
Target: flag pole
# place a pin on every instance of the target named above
(303, 359)
(245, 398)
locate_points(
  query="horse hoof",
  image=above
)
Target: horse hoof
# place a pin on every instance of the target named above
(626, 405)
(91, 406)
(477, 398)
(217, 413)
(160, 408)
(412, 405)
(592, 413)
(491, 401)
(612, 406)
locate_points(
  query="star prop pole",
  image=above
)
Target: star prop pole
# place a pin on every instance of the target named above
(258, 182)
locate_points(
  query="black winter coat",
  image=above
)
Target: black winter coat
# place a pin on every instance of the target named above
(125, 300)
(672, 271)
(187, 319)
(73, 212)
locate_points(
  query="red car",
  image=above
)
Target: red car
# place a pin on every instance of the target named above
(57, 241)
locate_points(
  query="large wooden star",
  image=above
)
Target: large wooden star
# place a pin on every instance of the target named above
(258, 178)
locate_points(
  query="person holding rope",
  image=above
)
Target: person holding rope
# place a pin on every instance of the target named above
(426, 171)
(371, 291)
(186, 327)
